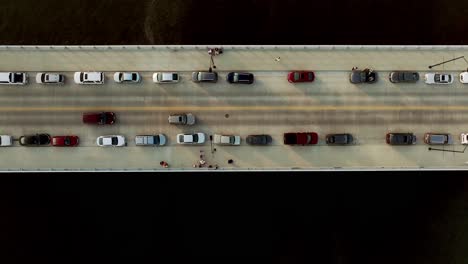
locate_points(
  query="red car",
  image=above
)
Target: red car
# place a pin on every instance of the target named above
(301, 76)
(103, 118)
(65, 141)
(300, 138)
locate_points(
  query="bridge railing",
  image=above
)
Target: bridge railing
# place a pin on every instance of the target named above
(230, 47)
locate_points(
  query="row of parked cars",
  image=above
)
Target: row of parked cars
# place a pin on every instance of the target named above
(370, 76)
(21, 78)
(311, 138)
(292, 138)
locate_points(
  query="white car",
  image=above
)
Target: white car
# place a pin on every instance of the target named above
(196, 138)
(464, 138)
(18, 78)
(464, 77)
(6, 140)
(89, 77)
(226, 140)
(50, 78)
(127, 77)
(111, 141)
(165, 77)
(438, 78)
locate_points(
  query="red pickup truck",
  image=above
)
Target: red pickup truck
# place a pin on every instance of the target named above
(300, 138)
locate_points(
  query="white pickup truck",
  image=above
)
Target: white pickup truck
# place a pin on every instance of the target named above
(150, 140)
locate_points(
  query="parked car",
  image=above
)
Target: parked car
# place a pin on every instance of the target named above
(363, 76)
(195, 138)
(166, 77)
(111, 141)
(182, 119)
(438, 139)
(240, 77)
(205, 76)
(258, 139)
(464, 77)
(89, 77)
(18, 78)
(400, 138)
(50, 78)
(6, 140)
(226, 140)
(35, 140)
(464, 138)
(438, 78)
(102, 118)
(301, 76)
(300, 138)
(403, 76)
(150, 140)
(339, 139)
(65, 141)
(127, 77)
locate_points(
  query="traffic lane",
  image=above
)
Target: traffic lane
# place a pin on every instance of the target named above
(333, 88)
(229, 116)
(367, 128)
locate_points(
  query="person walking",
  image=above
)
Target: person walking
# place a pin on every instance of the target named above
(277, 58)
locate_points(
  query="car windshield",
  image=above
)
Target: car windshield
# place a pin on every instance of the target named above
(181, 138)
(114, 140)
(297, 76)
(134, 76)
(437, 77)
(310, 76)
(232, 139)
(309, 138)
(103, 118)
(195, 138)
(174, 76)
(332, 139)
(236, 77)
(67, 141)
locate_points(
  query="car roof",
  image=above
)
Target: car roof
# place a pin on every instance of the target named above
(93, 76)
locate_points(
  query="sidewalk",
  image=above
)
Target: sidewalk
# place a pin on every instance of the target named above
(248, 58)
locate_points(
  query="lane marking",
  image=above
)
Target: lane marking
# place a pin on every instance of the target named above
(309, 108)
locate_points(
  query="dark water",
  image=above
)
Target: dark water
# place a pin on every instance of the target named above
(278, 217)
(233, 22)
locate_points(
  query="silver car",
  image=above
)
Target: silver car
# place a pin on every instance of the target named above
(182, 119)
(205, 77)
(150, 140)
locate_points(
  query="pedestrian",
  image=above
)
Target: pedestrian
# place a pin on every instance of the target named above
(230, 161)
(210, 166)
(165, 164)
(161, 163)
(202, 162)
(216, 167)
(277, 58)
(194, 165)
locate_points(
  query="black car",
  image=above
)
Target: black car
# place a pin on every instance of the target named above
(258, 139)
(240, 77)
(363, 76)
(403, 76)
(339, 139)
(35, 140)
(400, 138)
